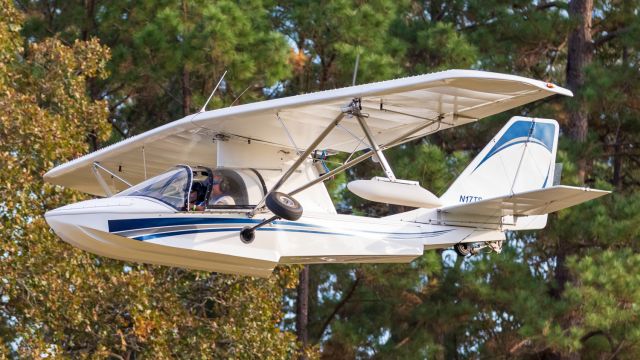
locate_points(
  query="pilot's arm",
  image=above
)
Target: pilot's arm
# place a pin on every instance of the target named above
(196, 207)
(224, 200)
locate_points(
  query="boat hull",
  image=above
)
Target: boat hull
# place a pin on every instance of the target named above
(142, 230)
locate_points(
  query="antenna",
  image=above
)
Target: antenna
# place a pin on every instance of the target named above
(355, 71)
(204, 107)
(245, 90)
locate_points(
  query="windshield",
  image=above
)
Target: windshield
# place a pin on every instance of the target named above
(170, 187)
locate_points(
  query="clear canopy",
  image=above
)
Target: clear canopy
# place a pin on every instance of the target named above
(210, 189)
(170, 187)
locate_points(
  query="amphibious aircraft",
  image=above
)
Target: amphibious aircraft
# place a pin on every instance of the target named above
(240, 189)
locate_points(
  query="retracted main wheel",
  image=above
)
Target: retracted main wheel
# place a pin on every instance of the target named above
(284, 206)
(463, 249)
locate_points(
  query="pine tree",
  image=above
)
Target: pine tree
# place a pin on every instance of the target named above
(168, 55)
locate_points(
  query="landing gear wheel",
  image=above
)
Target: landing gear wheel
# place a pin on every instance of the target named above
(284, 206)
(247, 234)
(463, 249)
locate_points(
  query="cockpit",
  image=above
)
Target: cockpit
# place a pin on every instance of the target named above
(201, 188)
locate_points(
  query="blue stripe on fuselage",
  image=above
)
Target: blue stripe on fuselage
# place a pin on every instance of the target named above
(136, 224)
(156, 223)
(395, 236)
(197, 231)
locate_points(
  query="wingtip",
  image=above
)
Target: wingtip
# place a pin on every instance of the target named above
(549, 86)
(47, 176)
(565, 92)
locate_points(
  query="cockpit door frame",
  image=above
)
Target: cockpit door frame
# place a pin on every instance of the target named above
(189, 181)
(209, 185)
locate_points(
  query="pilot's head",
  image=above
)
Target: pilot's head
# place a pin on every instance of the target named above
(193, 196)
(197, 192)
(220, 184)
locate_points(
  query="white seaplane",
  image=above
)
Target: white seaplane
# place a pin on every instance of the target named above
(239, 178)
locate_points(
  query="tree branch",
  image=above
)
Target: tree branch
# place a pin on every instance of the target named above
(109, 92)
(556, 4)
(115, 105)
(402, 342)
(524, 343)
(118, 129)
(342, 302)
(616, 350)
(591, 334)
(114, 355)
(610, 36)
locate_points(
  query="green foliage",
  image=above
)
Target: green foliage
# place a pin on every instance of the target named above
(514, 304)
(609, 297)
(328, 37)
(434, 46)
(59, 301)
(168, 55)
(568, 291)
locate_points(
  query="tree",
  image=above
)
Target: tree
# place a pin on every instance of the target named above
(566, 292)
(328, 38)
(168, 55)
(510, 305)
(59, 301)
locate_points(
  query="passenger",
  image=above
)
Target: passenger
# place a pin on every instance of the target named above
(220, 191)
(196, 197)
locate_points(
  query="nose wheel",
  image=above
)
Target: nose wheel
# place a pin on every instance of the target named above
(247, 234)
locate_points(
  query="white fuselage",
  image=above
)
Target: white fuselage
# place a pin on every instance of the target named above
(145, 230)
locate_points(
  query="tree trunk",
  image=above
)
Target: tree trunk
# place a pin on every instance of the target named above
(186, 92)
(186, 83)
(90, 7)
(302, 309)
(579, 56)
(617, 162)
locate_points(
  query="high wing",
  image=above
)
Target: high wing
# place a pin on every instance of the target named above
(430, 102)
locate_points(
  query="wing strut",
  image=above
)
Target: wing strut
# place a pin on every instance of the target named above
(302, 157)
(101, 180)
(354, 108)
(400, 139)
(374, 145)
(286, 130)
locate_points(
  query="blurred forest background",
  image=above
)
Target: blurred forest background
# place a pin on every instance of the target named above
(76, 76)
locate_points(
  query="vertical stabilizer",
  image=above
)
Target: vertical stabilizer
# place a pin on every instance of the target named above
(521, 157)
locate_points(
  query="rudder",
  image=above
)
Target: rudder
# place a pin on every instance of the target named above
(521, 157)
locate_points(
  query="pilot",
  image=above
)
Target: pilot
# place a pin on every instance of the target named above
(220, 191)
(196, 197)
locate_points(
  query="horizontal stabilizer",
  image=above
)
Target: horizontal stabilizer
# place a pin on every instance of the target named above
(535, 202)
